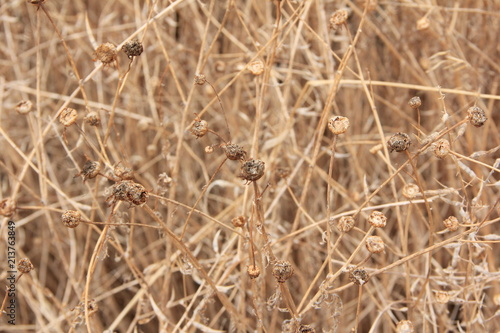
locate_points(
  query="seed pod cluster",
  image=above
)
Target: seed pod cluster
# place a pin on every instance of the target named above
(410, 191)
(200, 79)
(256, 67)
(24, 107)
(404, 326)
(234, 152)
(90, 170)
(282, 270)
(399, 142)
(239, 221)
(129, 191)
(133, 48)
(306, 329)
(92, 118)
(71, 218)
(252, 170)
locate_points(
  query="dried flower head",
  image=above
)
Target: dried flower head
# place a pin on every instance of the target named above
(399, 142)
(8, 207)
(199, 128)
(377, 219)
(24, 266)
(256, 67)
(282, 270)
(90, 170)
(338, 18)
(442, 297)
(133, 48)
(129, 191)
(415, 102)
(92, 118)
(68, 117)
(71, 218)
(252, 170)
(359, 276)
(253, 271)
(200, 79)
(410, 191)
(441, 148)
(476, 116)
(451, 223)
(105, 53)
(24, 107)
(345, 223)
(338, 125)
(375, 244)
(239, 221)
(234, 152)
(404, 326)
(123, 173)
(306, 329)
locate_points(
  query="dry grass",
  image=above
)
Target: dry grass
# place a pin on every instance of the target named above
(177, 263)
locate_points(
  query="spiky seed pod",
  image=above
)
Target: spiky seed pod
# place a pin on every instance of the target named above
(92, 118)
(282, 270)
(200, 79)
(253, 271)
(137, 194)
(234, 152)
(90, 170)
(399, 142)
(375, 244)
(415, 102)
(8, 207)
(404, 326)
(345, 223)
(338, 125)
(106, 53)
(410, 191)
(133, 48)
(24, 266)
(377, 219)
(24, 107)
(129, 191)
(252, 170)
(451, 223)
(476, 116)
(199, 128)
(71, 218)
(359, 276)
(239, 221)
(68, 117)
(256, 67)
(441, 148)
(338, 18)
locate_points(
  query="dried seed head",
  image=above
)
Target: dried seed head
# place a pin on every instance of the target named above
(8, 207)
(239, 221)
(377, 219)
(345, 223)
(234, 152)
(338, 125)
(199, 128)
(359, 276)
(68, 117)
(441, 148)
(415, 102)
(256, 67)
(375, 244)
(253, 271)
(404, 326)
(92, 118)
(399, 142)
(209, 149)
(133, 48)
(128, 191)
(442, 297)
(282, 271)
(338, 18)
(106, 53)
(24, 107)
(476, 116)
(90, 170)
(423, 23)
(306, 329)
(71, 218)
(137, 194)
(252, 170)
(410, 191)
(123, 173)
(200, 79)
(24, 266)
(451, 223)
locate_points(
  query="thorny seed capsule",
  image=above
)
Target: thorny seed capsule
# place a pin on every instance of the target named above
(338, 18)
(377, 219)
(128, 191)
(375, 244)
(282, 271)
(133, 48)
(92, 118)
(253, 271)
(345, 223)
(252, 170)
(68, 117)
(24, 266)
(24, 107)
(256, 67)
(451, 223)
(199, 128)
(476, 116)
(105, 53)
(399, 142)
(415, 102)
(441, 148)
(234, 152)
(239, 221)
(410, 191)
(71, 218)
(8, 207)
(90, 170)
(338, 125)
(359, 276)
(200, 79)
(404, 326)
